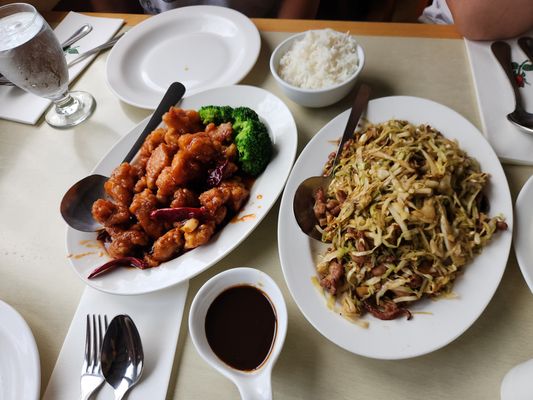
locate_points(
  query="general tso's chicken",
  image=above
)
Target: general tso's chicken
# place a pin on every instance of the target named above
(214, 198)
(196, 154)
(182, 170)
(126, 242)
(199, 236)
(108, 213)
(180, 122)
(166, 247)
(200, 147)
(121, 183)
(140, 185)
(161, 157)
(152, 141)
(184, 197)
(229, 195)
(222, 133)
(180, 165)
(238, 193)
(142, 205)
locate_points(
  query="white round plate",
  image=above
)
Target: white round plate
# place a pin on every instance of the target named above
(202, 47)
(517, 383)
(85, 254)
(446, 318)
(20, 368)
(523, 238)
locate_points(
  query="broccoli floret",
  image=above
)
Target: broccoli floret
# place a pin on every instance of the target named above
(215, 114)
(253, 145)
(226, 114)
(251, 135)
(241, 114)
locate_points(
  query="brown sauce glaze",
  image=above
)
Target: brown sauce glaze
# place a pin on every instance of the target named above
(241, 326)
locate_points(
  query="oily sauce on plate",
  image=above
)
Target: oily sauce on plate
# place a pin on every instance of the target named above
(240, 327)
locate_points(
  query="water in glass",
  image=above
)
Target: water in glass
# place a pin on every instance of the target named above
(32, 58)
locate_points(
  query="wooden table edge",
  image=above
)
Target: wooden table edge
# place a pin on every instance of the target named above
(297, 25)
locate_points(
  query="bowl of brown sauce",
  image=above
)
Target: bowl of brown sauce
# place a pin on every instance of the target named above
(238, 323)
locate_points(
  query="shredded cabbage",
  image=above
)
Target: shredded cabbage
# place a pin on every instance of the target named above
(411, 214)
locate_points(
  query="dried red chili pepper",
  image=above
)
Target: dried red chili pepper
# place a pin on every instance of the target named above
(180, 213)
(216, 174)
(119, 262)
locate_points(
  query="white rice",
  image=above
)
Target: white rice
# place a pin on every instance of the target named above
(321, 59)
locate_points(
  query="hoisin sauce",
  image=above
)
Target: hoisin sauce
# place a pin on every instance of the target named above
(241, 326)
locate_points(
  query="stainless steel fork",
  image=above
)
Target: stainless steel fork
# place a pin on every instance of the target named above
(91, 372)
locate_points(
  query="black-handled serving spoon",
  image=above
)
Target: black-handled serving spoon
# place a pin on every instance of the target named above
(77, 202)
(304, 200)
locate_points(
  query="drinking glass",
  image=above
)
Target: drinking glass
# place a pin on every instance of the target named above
(32, 58)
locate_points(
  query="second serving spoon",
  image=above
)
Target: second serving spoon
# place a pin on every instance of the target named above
(304, 200)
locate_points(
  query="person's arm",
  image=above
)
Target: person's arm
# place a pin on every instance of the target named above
(298, 9)
(492, 19)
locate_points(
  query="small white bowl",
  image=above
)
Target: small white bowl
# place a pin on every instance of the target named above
(254, 384)
(313, 97)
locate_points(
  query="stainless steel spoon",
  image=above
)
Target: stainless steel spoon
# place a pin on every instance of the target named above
(103, 46)
(83, 31)
(122, 355)
(519, 117)
(77, 202)
(304, 196)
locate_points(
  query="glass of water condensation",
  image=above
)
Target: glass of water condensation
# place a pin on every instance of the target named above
(32, 58)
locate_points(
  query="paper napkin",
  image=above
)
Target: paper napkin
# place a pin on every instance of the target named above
(496, 100)
(20, 106)
(157, 317)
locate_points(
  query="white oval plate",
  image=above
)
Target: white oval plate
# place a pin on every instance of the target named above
(523, 238)
(83, 247)
(20, 368)
(200, 46)
(448, 318)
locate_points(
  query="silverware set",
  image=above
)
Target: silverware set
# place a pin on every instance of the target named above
(113, 353)
(502, 51)
(95, 50)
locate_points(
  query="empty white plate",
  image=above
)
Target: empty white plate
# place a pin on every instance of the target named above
(523, 237)
(20, 368)
(202, 47)
(517, 383)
